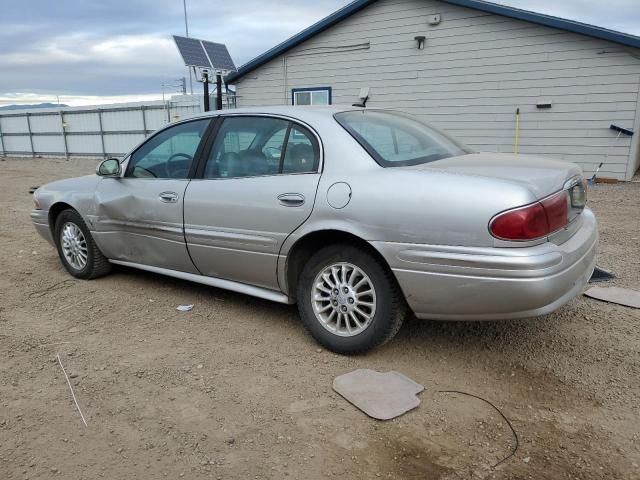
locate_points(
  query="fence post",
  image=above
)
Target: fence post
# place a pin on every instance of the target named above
(104, 151)
(144, 121)
(64, 135)
(33, 151)
(2, 151)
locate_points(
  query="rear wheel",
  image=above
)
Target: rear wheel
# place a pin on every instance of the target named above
(78, 252)
(348, 301)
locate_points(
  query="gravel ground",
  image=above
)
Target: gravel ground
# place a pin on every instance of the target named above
(236, 388)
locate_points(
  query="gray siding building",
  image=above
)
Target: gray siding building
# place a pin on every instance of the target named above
(478, 64)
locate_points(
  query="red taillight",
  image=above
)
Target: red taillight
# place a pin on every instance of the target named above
(532, 221)
(557, 209)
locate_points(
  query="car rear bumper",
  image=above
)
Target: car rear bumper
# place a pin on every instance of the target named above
(462, 283)
(40, 219)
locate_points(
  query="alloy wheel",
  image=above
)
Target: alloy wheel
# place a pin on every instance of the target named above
(343, 299)
(74, 246)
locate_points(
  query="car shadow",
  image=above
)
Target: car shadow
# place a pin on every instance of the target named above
(506, 336)
(500, 336)
(187, 289)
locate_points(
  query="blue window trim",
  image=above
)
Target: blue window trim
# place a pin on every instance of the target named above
(310, 89)
(357, 5)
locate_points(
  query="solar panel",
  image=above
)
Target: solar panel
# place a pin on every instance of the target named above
(219, 56)
(192, 52)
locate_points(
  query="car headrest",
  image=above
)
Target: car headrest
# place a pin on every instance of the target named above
(228, 165)
(254, 162)
(299, 158)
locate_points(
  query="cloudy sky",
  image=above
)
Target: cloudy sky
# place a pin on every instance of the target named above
(100, 51)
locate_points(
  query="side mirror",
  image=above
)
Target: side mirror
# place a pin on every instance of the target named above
(109, 168)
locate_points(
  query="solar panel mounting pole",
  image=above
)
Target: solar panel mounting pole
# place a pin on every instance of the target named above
(219, 90)
(205, 82)
(186, 29)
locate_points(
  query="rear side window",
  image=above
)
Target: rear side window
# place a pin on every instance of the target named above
(301, 154)
(259, 146)
(395, 139)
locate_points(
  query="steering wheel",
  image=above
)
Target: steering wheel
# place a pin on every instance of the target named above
(174, 171)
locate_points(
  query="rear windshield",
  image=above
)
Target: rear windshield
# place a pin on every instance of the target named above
(395, 139)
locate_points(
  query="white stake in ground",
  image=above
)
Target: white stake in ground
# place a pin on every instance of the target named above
(71, 388)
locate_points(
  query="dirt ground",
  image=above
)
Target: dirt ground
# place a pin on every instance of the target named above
(236, 389)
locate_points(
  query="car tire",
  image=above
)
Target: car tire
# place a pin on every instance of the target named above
(371, 319)
(77, 250)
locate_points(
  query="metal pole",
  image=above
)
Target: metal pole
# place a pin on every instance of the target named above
(186, 22)
(219, 91)
(205, 83)
(33, 151)
(186, 30)
(64, 136)
(104, 151)
(2, 152)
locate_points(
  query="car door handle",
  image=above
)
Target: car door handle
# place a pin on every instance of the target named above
(168, 197)
(291, 199)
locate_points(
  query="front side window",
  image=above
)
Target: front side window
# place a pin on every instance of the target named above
(258, 146)
(169, 154)
(311, 96)
(396, 139)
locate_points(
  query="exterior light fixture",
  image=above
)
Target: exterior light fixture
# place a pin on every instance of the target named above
(364, 96)
(421, 41)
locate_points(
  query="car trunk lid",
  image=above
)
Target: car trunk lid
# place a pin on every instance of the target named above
(542, 176)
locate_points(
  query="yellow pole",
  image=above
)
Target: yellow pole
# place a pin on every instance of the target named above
(517, 135)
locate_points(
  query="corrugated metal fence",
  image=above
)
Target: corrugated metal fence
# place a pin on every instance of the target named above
(105, 131)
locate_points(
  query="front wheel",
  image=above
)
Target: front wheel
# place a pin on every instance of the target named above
(348, 301)
(78, 252)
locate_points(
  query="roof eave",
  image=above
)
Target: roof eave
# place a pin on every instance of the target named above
(551, 21)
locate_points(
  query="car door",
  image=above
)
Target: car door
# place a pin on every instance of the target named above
(256, 186)
(139, 217)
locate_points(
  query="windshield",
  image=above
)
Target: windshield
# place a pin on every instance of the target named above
(395, 139)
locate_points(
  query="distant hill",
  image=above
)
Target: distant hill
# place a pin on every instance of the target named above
(38, 105)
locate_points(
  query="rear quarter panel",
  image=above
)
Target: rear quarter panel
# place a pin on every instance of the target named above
(410, 206)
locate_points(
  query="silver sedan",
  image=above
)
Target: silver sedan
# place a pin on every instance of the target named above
(359, 216)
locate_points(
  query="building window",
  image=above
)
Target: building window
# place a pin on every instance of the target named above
(311, 96)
